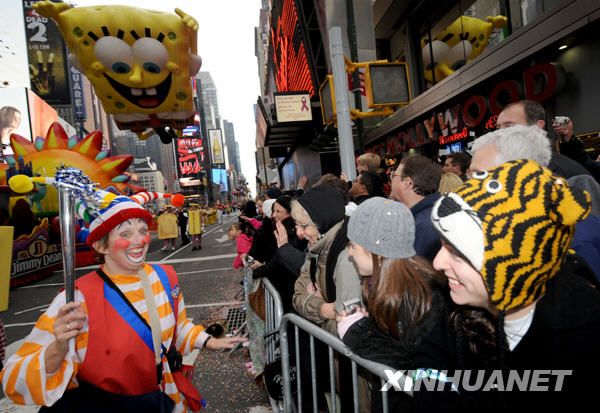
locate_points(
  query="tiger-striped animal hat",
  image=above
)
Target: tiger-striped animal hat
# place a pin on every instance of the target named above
(514, 224)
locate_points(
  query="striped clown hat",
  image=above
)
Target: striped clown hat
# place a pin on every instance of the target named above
(112, 210)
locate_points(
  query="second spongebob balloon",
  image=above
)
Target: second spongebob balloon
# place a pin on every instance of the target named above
(139, 61)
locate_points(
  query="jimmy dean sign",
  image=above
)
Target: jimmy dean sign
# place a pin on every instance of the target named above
(451, 123)
(34, 255)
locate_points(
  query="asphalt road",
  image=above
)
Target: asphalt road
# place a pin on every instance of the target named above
(210, 287)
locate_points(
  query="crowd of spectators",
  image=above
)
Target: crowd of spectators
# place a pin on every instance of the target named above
(486, 261)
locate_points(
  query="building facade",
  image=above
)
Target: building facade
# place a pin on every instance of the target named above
(469, 59)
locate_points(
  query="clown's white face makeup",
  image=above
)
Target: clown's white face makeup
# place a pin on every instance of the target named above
(127, 247)
(466, 284)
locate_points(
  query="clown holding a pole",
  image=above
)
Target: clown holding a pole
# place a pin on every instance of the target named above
(126, 320)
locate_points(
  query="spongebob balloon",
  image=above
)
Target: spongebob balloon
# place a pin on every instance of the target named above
(462, 41)
(139, 61)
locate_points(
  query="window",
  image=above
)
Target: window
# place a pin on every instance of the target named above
(524, 12)
(461, 35)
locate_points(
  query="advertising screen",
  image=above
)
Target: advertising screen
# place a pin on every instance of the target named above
(216, 148)
(190, 155)
(219, 177)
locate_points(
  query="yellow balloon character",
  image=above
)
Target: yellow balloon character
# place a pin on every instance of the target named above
(462, 41)
(139, 61)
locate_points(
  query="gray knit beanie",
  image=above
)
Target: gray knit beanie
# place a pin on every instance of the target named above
(383, 227)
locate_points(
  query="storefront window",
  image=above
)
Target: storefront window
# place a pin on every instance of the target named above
(524, 12)
(462, 34)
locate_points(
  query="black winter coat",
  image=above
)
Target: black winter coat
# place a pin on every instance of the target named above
(428, 345)
(265, 247)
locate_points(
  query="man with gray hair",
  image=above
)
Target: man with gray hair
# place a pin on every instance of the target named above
(512, 143)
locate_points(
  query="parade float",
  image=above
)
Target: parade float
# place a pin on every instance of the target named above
(38, 253)
(140, 62)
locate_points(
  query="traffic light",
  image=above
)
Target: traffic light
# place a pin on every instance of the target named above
(387, 84)
(327, 97)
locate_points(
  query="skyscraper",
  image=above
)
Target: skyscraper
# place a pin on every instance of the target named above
(210, 100)
(232, 151)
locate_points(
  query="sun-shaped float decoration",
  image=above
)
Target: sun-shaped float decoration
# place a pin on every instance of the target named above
(45, 155)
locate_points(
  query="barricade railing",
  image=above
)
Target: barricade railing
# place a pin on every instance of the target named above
(273, 315)
(334, 344)
(247, 281)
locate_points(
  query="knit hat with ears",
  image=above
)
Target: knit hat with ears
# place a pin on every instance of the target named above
(514, 224)
(116, 209)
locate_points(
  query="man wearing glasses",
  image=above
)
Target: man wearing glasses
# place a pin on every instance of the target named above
(415, 183)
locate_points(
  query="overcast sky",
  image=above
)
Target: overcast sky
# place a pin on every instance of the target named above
(226, 44)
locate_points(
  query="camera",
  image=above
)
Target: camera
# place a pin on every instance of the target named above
(352, 306)
(560, 120)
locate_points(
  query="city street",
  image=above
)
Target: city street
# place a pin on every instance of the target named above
(210, 287)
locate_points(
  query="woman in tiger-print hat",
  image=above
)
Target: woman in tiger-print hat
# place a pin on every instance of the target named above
(506, 233)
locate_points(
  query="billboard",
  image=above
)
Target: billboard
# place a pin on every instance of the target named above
(13, 116)
(13, 49)
(217, 153)
(190, 156)
(219, 177)
(48, 69)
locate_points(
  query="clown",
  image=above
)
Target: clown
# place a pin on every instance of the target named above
(128, 321)
(139, 61)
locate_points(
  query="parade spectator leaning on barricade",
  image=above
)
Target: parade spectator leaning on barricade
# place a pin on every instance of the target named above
(264, 246)
(328, 278)
(404, 323)
(291, 247)
(520, 309)
(415, 183)
(283, 275)
(530, 142)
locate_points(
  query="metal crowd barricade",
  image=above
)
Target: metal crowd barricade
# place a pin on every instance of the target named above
(334, 344)
(273, 315)
(247, 283)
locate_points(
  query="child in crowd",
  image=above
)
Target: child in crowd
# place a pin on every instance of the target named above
(242, 234)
